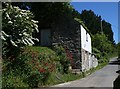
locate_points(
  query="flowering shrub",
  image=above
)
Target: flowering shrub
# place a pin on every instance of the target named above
(18, 25)
(39, 63)
(17, 28)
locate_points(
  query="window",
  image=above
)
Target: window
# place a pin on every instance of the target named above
(46, 37)
(86, 36)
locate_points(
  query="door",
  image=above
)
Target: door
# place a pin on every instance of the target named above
(46, 37)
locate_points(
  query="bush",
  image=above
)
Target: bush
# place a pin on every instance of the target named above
(34, 64)
(40, 61)
(17, 29)
(97, 53)
(63, 59)
(9, 80)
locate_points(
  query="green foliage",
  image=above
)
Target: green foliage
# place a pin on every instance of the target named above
(96, 52)
(102, 47)
(9, 80)
(57, 78)
(34, 66)
(100, 42)
(17, 28)
(40, 62)
(81, 22)
(63, 59)
(93, 23)
(118, 46)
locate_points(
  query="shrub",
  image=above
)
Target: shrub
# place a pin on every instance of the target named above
(96, 52)
(33, 65)
(40, 61)
(9, 80)
(17, 28)
(63, 59)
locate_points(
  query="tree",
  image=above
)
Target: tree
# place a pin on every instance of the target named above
(107, 30)
(101, 42)
(17, 28)
(47, 13)
(93, 23)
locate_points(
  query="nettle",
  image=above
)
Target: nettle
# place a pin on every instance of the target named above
(17, 26)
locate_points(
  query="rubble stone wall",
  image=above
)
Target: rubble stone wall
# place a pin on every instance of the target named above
(88, 60)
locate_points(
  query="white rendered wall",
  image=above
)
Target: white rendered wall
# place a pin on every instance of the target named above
(86, 45)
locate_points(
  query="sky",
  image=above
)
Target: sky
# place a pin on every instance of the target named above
(107, 10)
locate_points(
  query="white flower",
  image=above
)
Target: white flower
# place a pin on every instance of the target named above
(4, 33)
(28, 42)
(16, 16)
(24, 42)
(10, 22)
(27, 17)
(36, 29)
(23, 10)
(34, 21)
(19, 40)
(17, 8)
(20, 16)
(35, 39)
(25, 34)
(31, 41)
(20, 34)
(7, 16)
(13, 43)
(2, 37)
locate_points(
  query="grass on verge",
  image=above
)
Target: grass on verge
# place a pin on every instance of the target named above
(57, 78)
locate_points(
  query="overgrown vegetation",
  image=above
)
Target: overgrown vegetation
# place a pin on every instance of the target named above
(118, 46)
(57, 78)
(39, 66)
(17, 28)
(63, 59)
(25, 66)
(103, 48)
(32, 67)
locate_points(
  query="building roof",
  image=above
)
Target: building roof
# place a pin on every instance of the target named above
(81, 22)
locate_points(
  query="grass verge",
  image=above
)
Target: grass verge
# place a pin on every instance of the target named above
(57, 78)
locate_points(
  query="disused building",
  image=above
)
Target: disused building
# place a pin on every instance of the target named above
(76, 39)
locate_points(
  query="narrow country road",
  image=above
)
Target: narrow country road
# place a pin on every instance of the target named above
(101, 78)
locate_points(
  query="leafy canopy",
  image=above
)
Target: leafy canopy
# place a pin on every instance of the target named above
(101, 42)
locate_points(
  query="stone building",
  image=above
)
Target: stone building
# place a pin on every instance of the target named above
(76, 39)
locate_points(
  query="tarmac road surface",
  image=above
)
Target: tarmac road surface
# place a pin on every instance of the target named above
(101, 78)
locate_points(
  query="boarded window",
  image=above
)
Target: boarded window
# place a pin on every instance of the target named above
(46, 37)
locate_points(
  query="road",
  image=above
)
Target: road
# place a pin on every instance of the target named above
(101, 78)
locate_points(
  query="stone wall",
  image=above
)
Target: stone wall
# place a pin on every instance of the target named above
(88, 60)
(67, 33)
(94, 61)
